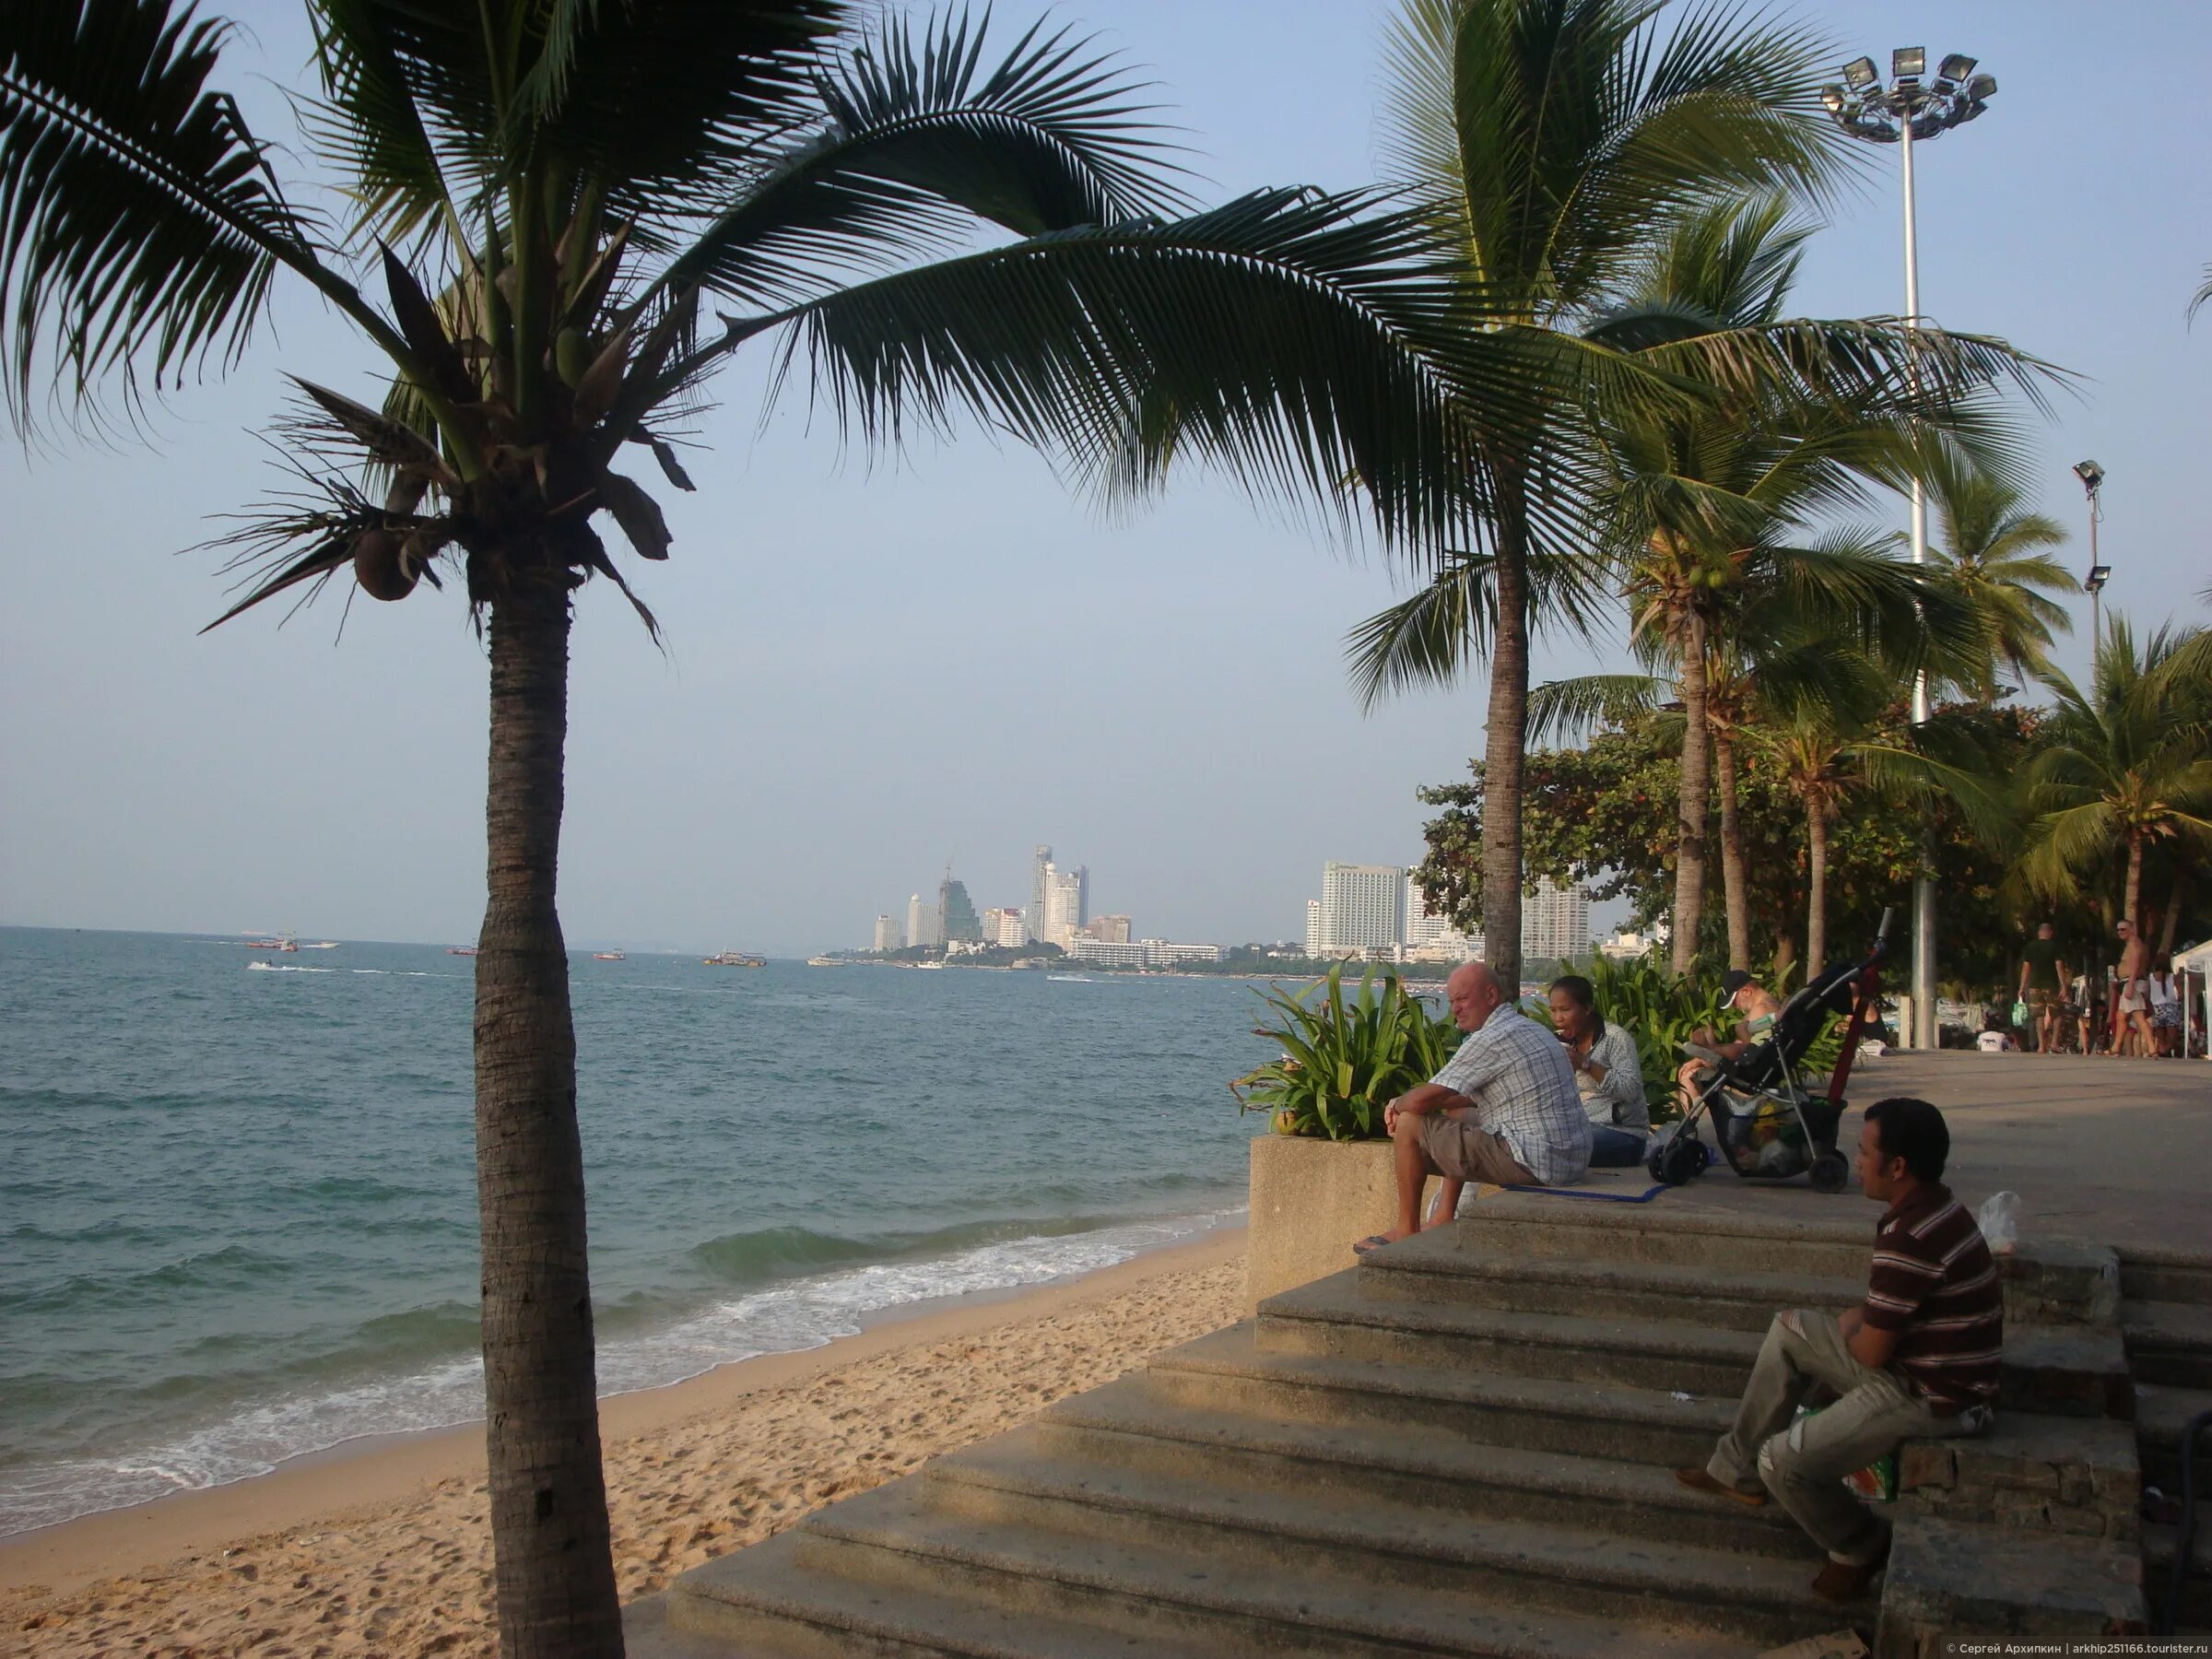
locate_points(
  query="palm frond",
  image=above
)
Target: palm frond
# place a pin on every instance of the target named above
(923, 140)
(1567, 708)
(1275, 328)
(1427, 639)
(139, 221)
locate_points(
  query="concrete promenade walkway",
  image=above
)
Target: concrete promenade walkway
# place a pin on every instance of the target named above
(2100, 1151)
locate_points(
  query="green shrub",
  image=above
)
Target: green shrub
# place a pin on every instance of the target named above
(1344, 1058)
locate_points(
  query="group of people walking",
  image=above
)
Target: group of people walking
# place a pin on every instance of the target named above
(2134, 1007)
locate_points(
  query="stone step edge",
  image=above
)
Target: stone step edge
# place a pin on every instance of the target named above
(1567, 1474)
(1522, 1549)
(788, 1590)
(1526, 1211)
(1776, 1289)
(2162, 1541)
(1263, 1598)
(1230, 1352)
(1323, 1302)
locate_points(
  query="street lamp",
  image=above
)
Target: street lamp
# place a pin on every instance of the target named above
(2092, 481)
(1910, 108)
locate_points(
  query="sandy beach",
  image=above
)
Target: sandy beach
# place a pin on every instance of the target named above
(384, 1551)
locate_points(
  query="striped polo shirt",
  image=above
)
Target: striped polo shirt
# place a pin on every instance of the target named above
(1934, 1285)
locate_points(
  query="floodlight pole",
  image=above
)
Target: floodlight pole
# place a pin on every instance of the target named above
(1923, 884)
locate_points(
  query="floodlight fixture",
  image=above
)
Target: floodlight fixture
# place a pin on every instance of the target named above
(1861, 73)
(2090, 474)
(1956, 67)
(1834, 97)
(2094, 581)
(1909, 62)
(1982, 88)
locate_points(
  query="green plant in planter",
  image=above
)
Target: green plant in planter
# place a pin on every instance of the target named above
(1345, 1057)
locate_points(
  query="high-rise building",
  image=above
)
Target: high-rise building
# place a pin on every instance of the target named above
(1554, 922)
(887, 936)
(921, 924)
(1423, 925)
(1066, 902)
(957, 913)
(1312, 927)
(1040, 863)
(1003, 925)
(1362, 907)
(1109, 930)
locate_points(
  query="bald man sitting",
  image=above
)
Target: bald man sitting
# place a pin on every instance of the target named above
(1503, 1109)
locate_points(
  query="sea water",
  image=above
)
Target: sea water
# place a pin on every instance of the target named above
(238, 1207)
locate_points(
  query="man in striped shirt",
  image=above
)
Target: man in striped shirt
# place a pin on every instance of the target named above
(1918, 1360)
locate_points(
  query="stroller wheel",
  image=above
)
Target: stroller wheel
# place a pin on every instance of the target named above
(1676, 1160)
(1829, 1174)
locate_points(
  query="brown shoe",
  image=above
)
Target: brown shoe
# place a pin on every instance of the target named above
(1841, 1581)
(1697, 1480)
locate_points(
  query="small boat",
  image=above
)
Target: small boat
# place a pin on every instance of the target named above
(462, 950)
(281, 942)
(608, 956)
(823, 962)
(733, 958)
(322, 945)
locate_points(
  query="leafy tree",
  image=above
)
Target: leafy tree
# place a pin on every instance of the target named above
(547, 203)
(1602, 815)
(1549, 142)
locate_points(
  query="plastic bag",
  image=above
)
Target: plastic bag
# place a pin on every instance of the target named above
(2019, 1012)
(1999, 1219)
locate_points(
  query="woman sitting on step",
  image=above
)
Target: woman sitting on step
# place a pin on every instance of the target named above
(1608, 1074)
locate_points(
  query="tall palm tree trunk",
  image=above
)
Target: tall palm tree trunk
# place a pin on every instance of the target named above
(1692, 801)
(2133, 914)
(554, 1569)
(1504, 751)
(2171, 925)
(1816, 888)
(1735, 885)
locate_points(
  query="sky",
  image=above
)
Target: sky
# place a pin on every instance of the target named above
(874, 664)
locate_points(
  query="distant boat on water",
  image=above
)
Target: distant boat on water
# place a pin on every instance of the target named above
(462, 950)
(733, 958)
(608, 956)
(283, 941)
(824, 962)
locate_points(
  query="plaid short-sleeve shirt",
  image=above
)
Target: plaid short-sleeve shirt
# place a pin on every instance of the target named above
(1517, 1074)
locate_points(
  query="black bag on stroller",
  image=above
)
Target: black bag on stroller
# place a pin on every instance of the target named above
(1769, 1125)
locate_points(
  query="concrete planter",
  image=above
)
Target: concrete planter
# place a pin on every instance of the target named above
(1311, 1199)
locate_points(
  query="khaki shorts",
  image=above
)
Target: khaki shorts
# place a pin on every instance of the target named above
(2040, 1000)
(1462, 1151)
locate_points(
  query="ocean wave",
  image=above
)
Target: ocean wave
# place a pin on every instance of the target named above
(797, 1314)
(285, 967)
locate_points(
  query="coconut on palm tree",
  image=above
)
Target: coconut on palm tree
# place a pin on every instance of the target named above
(1551, 144)
(554, 222)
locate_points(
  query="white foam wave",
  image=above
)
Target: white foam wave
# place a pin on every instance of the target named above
(285, 967)
(786, 1318)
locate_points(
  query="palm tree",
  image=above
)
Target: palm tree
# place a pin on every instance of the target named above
(1990, 546)
(547, 197)
(1705, 510)
(1549, 141)
(2128, 765)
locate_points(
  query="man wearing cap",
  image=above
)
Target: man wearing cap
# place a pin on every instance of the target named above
(1757, 1007)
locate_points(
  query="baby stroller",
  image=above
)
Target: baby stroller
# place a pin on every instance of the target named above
(1768, 1126)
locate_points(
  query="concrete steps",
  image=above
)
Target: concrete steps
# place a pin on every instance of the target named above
(2161, 1414)
(1386, 1543)
(1086, 1594)
(1433, 1268)
(1462, 1445)
(1129, 1425)
(2160, 1545)
(2169, 1342)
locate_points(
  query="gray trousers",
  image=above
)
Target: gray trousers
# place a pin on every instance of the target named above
(1803, 1461)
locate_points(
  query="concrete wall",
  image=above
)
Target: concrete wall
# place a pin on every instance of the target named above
(1311, 1199)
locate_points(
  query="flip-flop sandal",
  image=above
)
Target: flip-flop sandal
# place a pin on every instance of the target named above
(1373, 1241)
